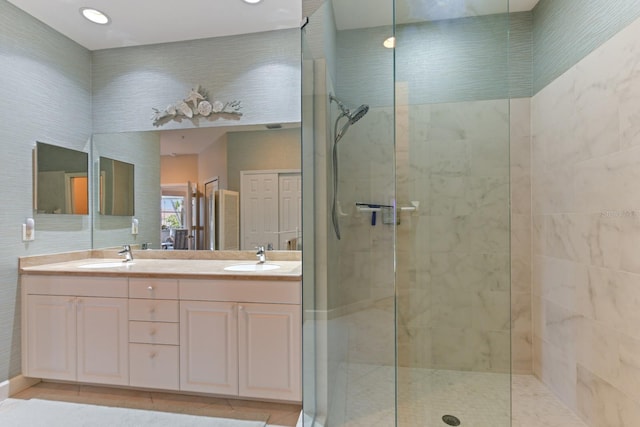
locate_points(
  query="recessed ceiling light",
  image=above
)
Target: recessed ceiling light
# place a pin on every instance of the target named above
(94, 15)
(389, 43)
(252, 1)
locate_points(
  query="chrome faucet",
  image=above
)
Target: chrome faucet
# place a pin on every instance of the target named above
(261, 254)
(126, 253)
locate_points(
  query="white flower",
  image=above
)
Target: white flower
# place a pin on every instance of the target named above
(205, 108)
(217, 106)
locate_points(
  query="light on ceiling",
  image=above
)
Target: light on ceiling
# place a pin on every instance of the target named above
(95, 15)
(389, 43)
(252, 1)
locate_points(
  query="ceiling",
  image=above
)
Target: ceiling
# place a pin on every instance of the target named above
(193, 141)
(142, 22)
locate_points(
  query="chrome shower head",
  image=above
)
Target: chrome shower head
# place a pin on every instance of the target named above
(351, 117)
(358, 114)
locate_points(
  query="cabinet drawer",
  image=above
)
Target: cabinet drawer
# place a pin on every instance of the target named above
(153, 288)
(153, 366)
(86, 286)
(154, 333)
(153, 310)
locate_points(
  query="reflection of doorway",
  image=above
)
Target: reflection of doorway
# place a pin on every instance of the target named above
(77, 193)
(179, 211)
(271, 203)
(210, 188)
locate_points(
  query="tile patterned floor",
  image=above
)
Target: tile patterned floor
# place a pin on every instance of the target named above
(425, 396)
(478, 399)
(275, 414)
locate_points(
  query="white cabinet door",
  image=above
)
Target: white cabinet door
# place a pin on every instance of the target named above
(102, 326)
(259, 209)
(208, 347)
(51, 337)
(269, 346)
(290, 212)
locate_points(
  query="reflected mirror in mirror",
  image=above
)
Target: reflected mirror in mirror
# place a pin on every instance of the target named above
(167, 161)
(116, 187)
(61, 183)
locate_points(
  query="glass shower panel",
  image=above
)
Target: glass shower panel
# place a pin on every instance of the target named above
(453, 253)
(349, 290)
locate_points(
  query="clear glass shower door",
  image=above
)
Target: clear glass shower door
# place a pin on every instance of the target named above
(407, 223)
(453, 253)
(349, 168)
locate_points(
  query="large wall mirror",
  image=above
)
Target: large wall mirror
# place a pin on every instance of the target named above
(61, 184)
(171, 170)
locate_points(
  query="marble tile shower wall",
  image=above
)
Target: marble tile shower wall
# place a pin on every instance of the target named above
(366, 252)
(520, 153)
(457, 305)
(586, 232)
(453, 266)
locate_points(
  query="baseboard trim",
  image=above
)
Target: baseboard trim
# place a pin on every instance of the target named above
(15, 385)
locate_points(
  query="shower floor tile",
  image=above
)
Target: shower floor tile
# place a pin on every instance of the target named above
(425, 396)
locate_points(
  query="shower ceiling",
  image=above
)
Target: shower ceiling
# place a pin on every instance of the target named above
(348, 13)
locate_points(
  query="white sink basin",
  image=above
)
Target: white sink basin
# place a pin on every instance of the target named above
(252, 267)
(106, 264)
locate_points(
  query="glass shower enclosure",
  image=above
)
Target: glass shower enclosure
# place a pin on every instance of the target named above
(405, 121)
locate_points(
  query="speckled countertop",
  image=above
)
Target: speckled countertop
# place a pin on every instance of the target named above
(72, 265)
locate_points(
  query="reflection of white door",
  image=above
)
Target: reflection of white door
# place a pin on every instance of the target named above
(259, 209)
(210, 188)
(290, 201)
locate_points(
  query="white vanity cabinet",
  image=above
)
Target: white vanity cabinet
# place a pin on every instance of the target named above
(75, 329)
(241, 338)
(221, 336)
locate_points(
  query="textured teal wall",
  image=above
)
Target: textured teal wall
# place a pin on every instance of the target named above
(565, 31)
(468, 59)
(262, 70)
(46, 96)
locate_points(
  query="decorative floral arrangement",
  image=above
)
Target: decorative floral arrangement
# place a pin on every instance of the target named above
(195, 104)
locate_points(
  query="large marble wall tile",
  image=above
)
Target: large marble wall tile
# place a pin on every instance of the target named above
(629, 243)
(585, 166)
(521, 253)
(612, 298)
(556, 370)
(629, 93)
(603, 405)
(521, 312)
(608, 183)
(538, 234)
(521, 352)
(560, 328)
(595, 335)
(451, 348)
(629, 366)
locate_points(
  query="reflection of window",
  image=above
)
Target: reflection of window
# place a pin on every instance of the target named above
(171, 211)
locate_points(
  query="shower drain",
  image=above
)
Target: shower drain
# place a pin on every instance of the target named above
(451, 420)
